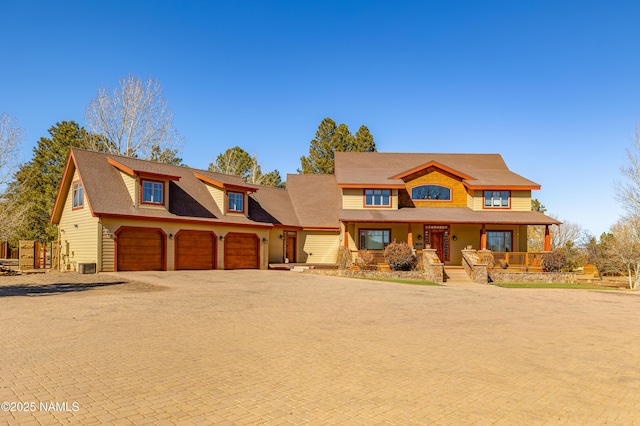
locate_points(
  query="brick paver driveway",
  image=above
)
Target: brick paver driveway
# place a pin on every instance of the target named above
(265, 347)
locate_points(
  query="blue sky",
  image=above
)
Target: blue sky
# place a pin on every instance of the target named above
(553, 86)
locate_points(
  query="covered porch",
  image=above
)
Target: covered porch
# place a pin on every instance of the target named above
(504, 235)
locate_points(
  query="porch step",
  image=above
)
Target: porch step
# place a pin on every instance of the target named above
(457, 276)
(299, 268)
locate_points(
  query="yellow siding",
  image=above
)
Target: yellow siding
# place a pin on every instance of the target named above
(107, 253)
(276, 246)
(218, 196)
(79, 230)
(353, 199)
(471, 199)
(437, 177)
(521, 201)
(318, 246)
(466, 235)
(132, 186)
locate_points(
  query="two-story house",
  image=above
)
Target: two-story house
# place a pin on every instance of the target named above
(126, 214)
(446, 201)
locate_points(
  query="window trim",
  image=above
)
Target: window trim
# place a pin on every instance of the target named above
(376, 206)
(229, 210)
(360, 230)
(80, 204)
(432, 200)
(151, 203)
(500, 207)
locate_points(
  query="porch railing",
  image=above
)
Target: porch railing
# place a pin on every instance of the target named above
(523, 259)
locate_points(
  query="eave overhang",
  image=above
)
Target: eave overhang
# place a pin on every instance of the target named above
(223, 185)
(141, 173)
(432, 164)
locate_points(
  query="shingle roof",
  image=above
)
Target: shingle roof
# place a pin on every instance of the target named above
(188, 196)
(379, 168)
(316, 199)
(309, 201)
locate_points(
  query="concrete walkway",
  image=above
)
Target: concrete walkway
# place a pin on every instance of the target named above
(279, 348)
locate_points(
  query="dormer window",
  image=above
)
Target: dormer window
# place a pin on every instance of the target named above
(235, 202)
(152, 192)
(496, 199)
(431, 192)
(377, 197)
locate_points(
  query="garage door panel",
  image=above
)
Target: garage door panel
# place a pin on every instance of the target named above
(242, 251)
(195, 250)
(140, 250)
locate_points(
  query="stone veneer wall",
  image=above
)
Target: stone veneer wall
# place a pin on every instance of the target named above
(533, 277)
(433, 267)
(475, 267)
(410, 275)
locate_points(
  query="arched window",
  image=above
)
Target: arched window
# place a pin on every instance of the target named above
(431, 192)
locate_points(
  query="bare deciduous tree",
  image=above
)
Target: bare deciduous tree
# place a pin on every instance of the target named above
(134, 118)
(11, 139)
(626, 247)
(568, 232)
(628, 193)
(236, 161)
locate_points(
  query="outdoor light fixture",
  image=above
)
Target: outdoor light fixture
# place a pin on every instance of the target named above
(171, 236)
(281, 236)
(264, 240)
(419, 237)
(454, 238)
(221, 237)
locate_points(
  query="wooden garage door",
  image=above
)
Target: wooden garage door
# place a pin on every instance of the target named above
(140, 249)
(195, 250)
(241, 251)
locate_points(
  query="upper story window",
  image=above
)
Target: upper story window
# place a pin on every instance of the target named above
(235, 202)
(431, 192)
(78, 195)
(496, 199)
(377, 197)
(152, 192)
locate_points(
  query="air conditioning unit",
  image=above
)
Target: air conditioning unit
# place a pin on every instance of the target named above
(86, 268)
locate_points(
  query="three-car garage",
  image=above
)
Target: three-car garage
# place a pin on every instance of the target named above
(146, 249)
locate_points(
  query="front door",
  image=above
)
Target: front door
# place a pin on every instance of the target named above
(436, 239)
(290, 246)
(437, 236)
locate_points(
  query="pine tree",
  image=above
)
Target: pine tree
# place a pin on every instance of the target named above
(329, 139)
(36, 182)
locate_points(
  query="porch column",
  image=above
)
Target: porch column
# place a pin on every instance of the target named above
(483, 238)
(547, 238)
(410, 236)
(345, 237)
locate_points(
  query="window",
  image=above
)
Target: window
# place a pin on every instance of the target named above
(499, 241)
(152, 192)
(377, 197)
(374, 239)
(496, 199)
(78, 195)
(431, 192)
(235, 202)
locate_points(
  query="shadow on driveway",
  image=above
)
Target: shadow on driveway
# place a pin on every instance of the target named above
(50, 289)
